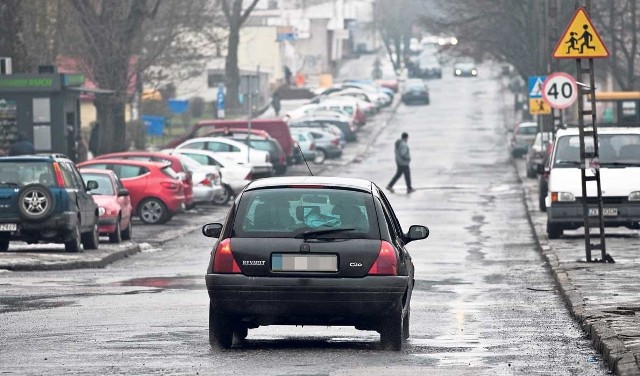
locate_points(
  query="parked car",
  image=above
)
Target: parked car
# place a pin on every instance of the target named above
(428, 67)
(523, 136)
(619, 167)
(234, 176)
(537, 152)
(44, 199)
(176, 165)
(306, 147)
(326, 127)
(415, 91)
(207, 184)
(114, 204)
(156, 191)
(465, 69)
(260, 140)
(278, 243)
(277, 128)
(348, 129)
(259, 160)
(327, 144)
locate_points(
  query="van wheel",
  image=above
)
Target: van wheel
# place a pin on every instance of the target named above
(554, 231)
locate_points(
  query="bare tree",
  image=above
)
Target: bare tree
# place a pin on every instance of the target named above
(394, 20)
(111, 30)
(11, 38)
(236, 16)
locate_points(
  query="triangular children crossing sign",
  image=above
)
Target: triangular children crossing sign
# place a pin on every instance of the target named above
(580, 40)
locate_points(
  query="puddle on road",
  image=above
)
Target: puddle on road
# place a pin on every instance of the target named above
(165, 283)
(457, 350)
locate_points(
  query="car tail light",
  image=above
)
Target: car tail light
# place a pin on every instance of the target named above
(223, 261)
(58, 172)
(170, 185)
(312, 146)
(248, 177)
(205, 181)
(387, 262)
(336, 141)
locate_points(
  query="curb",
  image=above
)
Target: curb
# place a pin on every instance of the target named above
(75, 264)
(619, 360)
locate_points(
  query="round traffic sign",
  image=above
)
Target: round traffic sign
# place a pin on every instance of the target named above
(560, 90)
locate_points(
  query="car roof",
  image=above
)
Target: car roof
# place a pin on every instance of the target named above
(35, 157)
(219, 139)
(319, 181)
(87, 170)
(601, 130)
(141, 153)
(132, 162)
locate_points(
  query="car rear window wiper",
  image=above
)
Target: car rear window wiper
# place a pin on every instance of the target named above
(309, 233)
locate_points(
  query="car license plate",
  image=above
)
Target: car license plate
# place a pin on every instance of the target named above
(283, 262)
(8, 227)
(607, 212)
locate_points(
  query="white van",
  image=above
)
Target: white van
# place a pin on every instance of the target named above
(619, 157)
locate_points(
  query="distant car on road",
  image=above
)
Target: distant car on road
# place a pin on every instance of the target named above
(522, 138)
(415, 91)
(465, 70)
(537, 152)
(278, 244)
(114, 204)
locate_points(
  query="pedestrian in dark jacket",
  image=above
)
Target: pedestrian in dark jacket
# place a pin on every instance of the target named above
(275, 102)
(94, 139)
(403, 158)
(22, 146)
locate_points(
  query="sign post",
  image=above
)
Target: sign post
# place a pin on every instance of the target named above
(579, 41)
(220, 101)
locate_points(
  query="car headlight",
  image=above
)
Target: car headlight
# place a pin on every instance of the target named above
(458, 72)
(562, 197)
(634, 196)
(101, 211)
(474, 72)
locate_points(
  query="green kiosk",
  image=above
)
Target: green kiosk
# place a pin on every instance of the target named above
(44, 107)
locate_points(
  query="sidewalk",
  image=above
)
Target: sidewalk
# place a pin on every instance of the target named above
(603, 298)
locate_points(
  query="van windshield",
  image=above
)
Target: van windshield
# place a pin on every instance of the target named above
(613, 149)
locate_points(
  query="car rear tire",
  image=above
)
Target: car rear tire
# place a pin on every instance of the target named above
(126, 233)
(116, 236)
(543, 190)
(35, 203)
(554, 231)
(405, 324)
(240, 333)
(153, 211)
(74, 244)
(321, 156)
(225, 197)
(91, 239)
(391, 332)
(4, 243)
(220, 329)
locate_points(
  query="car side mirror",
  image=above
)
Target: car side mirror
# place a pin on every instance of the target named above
(417, 232)
(212, 230)
(123, 192)
(91, 185)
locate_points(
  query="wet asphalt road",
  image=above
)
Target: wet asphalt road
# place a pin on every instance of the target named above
(484, 302)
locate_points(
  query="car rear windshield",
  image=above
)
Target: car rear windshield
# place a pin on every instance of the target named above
(527, 130)
(612, 149)
(299, 212)
(104, 184)
(21, 173)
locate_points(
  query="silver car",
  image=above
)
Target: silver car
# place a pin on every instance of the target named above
(328, 145)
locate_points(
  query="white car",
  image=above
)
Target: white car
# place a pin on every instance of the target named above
(367, 107)
(234, 175)
(374, 98)
(619, 164)
(207, 183)
(234, 150)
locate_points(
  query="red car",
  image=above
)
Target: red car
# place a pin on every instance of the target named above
(114, 204)
(176, 165)
(155, 189)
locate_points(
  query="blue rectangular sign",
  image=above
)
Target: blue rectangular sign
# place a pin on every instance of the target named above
(535, 86)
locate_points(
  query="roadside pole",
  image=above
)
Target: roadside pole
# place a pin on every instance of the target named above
(580, 41)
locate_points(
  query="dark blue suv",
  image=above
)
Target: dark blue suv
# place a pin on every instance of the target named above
(44, 199)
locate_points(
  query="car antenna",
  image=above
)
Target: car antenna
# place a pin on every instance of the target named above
(304, 159)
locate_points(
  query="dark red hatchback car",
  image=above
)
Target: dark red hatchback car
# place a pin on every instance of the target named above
(310, 251)
(156, 191)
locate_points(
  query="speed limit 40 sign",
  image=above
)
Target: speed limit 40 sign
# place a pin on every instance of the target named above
(560, 90)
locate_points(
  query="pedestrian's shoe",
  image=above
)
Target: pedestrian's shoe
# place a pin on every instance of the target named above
(410, 190)
(389, 188)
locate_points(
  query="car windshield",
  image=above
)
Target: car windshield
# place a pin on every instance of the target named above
(20, 173)
(104, 183)
(613, 149)
(527, 131)
(306, 212)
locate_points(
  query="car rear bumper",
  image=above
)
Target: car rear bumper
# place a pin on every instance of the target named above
(205, 193)
(175, 204)
(285, 297)
(57, 228)
(571, 214)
